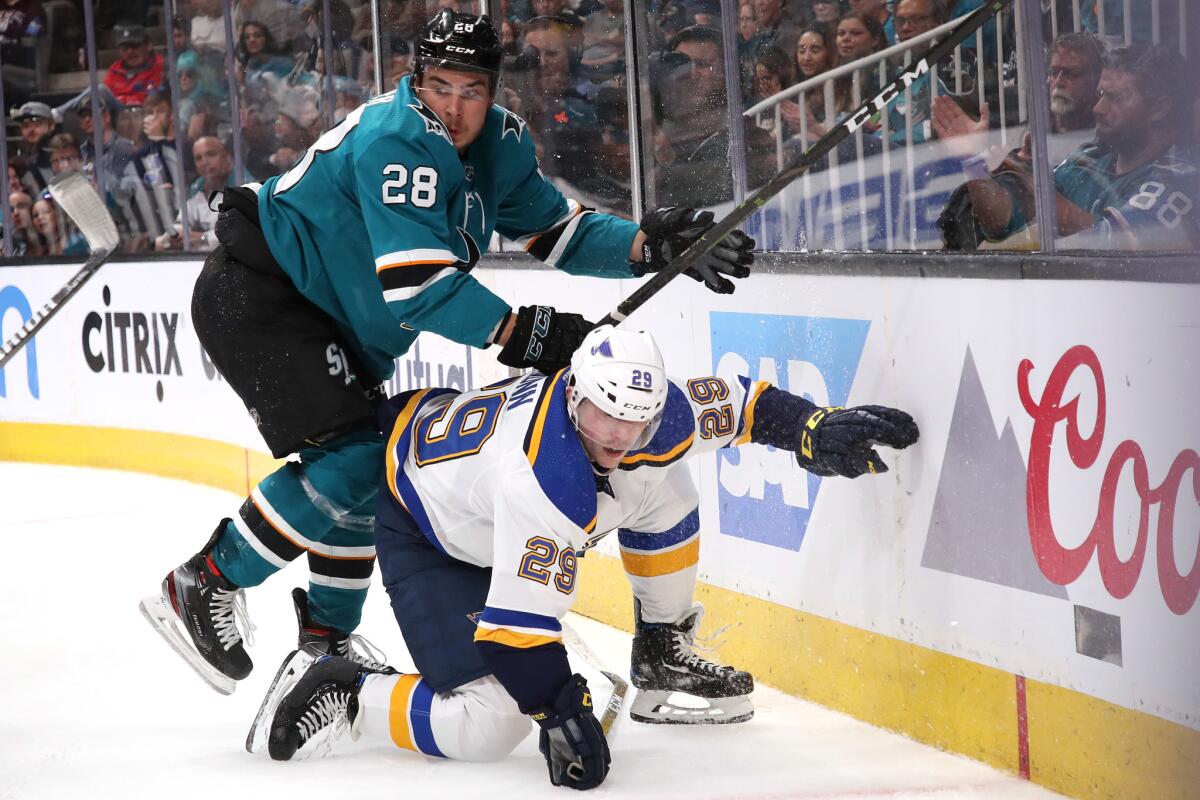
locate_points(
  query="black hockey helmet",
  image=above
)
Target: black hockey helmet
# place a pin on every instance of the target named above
(460, 41)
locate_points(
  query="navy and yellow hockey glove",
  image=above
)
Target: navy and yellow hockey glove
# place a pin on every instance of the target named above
(841, 441)
(544, 339)
(571, 738)
(670, 231)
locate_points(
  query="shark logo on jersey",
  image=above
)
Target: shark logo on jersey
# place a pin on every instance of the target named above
(433, 124)
(512, 124)
(763, 494)
(472, 252)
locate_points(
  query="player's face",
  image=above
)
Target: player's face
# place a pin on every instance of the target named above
(460, 100)
(606, 439)
(1122, 112)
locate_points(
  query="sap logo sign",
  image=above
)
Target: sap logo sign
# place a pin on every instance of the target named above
(12, 298)
(763, 494)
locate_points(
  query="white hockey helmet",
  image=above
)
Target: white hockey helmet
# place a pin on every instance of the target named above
(622, 373)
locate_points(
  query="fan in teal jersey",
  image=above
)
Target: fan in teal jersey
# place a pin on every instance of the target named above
(1136, 186)
(329, 272)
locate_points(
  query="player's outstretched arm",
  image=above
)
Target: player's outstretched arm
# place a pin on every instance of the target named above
(831, 441)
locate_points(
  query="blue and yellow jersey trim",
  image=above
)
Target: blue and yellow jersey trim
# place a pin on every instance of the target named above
(517, 629)
(409, 720)
(399, 442)
(674, 436)
(745, 433)
(649, 555)
(557, 457)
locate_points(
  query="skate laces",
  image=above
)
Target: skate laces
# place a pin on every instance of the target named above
(361, 650)
(330, 710)
(228, 613)
(692, 649)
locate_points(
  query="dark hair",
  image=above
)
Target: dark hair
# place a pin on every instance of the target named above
(1158, 72)
(873, 26)
(159, 96)
(1086, 45)
(269, 46)
(828, 37)
(776, 62)
(698, 33)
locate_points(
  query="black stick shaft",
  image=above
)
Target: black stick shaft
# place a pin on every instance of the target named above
(830, 140)
(35, 323)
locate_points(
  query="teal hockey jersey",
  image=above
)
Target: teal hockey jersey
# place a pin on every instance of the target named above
(381, 221)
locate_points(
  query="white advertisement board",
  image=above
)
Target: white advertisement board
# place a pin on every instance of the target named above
(1047, 523)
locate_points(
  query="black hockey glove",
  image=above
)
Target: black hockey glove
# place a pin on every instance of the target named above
(841, 441)
(544, 339)
(670, 231)
(571, 738)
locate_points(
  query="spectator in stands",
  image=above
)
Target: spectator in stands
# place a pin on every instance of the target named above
(22, 23)
(216, 171)
(562, 120)
(775, 29)
(59, 237)
(208, 28)
(914, 107)
(139, 69)
(858, 36)
(37, 126)
(400, 63)
(1076, 60)
(816, 53)
(1134, 187)
(880, 10)
(281, 17)
(258, 54)
(157, 169)
(25, 238)
(826, 11)
(772, 73)
(64, 153)
(198, 104)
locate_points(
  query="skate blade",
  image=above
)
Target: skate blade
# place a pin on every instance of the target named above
(293, 666)
(656, 708)
(163, 618)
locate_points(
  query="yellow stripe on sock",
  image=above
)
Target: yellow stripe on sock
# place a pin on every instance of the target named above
(399, 725)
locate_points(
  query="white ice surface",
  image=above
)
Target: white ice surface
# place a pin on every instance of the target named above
(93, 704)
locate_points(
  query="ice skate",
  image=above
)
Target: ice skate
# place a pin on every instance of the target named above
(664, 664)
(309, 696)
(198, 613)
(318, 640)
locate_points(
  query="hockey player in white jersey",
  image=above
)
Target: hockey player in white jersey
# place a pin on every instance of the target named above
(488, 500)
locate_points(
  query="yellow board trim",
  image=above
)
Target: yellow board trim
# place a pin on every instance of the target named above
(398, 722)
(170, 455)
(1079, 745)
(508, 638)
(651, 565)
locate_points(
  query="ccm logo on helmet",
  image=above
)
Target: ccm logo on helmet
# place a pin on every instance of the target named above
(464, 50)
(636, 407)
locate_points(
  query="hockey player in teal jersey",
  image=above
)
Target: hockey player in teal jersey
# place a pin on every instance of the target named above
(327, 273)
(479, 581)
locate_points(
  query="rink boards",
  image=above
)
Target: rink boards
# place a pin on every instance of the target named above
(1021, 587)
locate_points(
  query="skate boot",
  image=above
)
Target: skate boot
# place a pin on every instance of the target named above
(307, 697)
(664, 663)
(198, 599)
(318, 640)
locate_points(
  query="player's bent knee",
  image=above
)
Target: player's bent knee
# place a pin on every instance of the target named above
(485, 723)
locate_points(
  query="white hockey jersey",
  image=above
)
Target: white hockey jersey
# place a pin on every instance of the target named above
(498, 478)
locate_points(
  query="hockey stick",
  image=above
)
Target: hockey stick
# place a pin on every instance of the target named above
(616, 701)
(85, 208)
(829, 141)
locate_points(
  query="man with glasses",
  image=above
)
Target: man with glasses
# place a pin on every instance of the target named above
(327, 273)
(36, 121)
(138, 71)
